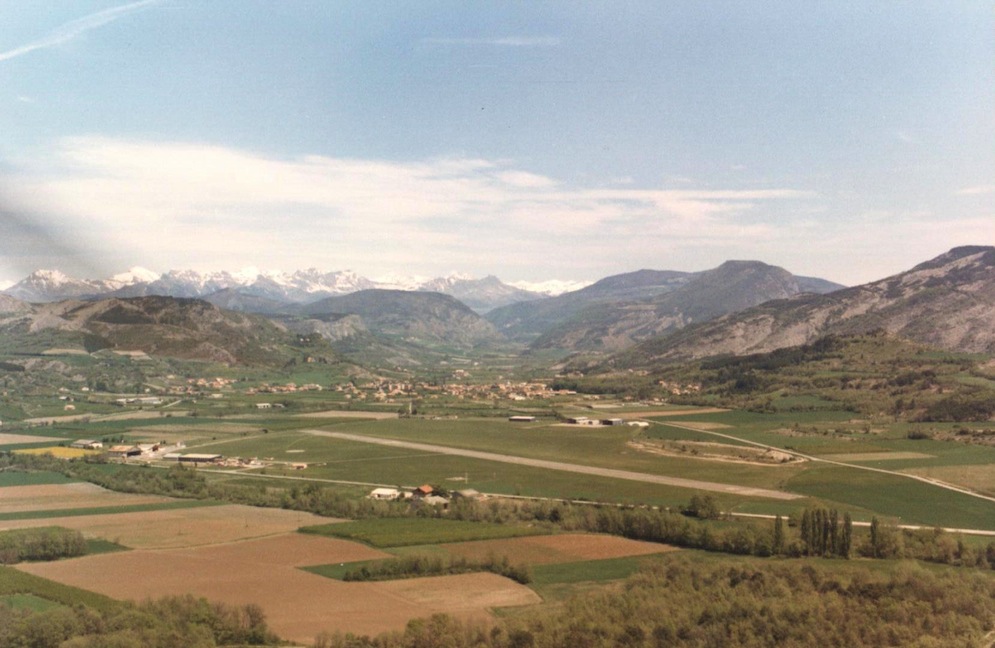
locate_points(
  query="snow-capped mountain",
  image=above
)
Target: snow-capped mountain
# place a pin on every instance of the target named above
(53, 285)
(302, 286)
(550, 288)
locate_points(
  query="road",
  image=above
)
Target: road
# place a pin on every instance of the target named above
(612, 473)
(925, 480)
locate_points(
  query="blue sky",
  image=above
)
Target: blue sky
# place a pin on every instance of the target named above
(531, 140)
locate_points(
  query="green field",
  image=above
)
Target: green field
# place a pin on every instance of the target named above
(105, 510)
(11, 478)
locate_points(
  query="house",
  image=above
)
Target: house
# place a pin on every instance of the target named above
(388, 494)
(86, 444)
(423, 491)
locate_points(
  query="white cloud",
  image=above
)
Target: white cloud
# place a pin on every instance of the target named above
(976, 190)
(73, 29)
(177, 203)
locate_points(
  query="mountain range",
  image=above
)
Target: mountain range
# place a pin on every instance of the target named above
(617, 311)
(257, 291)
(947, 303)
(635, 319)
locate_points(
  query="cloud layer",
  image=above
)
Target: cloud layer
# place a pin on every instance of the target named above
(194, 202)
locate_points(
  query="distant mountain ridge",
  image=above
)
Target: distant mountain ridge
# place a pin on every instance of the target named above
(302, 286)
(947, 302)
(620, 310)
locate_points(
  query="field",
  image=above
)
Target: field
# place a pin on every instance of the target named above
(240, 555)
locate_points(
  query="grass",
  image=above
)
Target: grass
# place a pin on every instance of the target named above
(908, 500)
(13, 581)
(11, 478)
(28, 602)
(398, 532)
(608, 569)
(105, 510)
(99, 546)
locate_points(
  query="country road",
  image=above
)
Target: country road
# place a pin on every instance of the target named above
(795, 453)
(566, 467)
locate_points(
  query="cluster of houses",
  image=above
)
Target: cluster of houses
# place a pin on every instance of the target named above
(388, 391)
(424, 495)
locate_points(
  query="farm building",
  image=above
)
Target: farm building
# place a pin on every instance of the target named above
(195, 458)
(638, 424)
(580, 420)
(124, 451)
(423, 491)
(466, 493)
(612, 421)
(522, 419)
(385, 494)
(86, 444)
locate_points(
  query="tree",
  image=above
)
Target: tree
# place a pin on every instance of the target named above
(778, 542)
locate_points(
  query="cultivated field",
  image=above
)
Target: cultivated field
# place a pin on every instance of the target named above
(298, 605)
(181, 528)
(552, 549)
(11, 439)
(79, 495)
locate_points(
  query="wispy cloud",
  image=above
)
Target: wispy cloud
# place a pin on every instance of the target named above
(505, 41)
(977, 190)
(73, 29)
(174, 203)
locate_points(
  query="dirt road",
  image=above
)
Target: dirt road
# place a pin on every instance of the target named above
(566, 467)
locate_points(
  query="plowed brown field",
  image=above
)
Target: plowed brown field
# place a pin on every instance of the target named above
(14, 499)
(182, 527)
(298, 604)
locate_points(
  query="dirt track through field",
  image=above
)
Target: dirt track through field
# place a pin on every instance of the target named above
(567, 467)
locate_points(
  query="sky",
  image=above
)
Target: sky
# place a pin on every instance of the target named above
(529, 140)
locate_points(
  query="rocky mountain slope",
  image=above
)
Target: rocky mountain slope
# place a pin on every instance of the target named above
(618, 311)
(733, 286)
(159, 326)
(423, 318)
(526, 321)
(948, 302)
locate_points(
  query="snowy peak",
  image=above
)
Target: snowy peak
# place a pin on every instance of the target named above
(301, 286)
(54, 285)
(551, 287)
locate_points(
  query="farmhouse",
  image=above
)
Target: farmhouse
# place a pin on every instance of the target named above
(423, 491)
(388, 494)
(86, 444)
(522, 419)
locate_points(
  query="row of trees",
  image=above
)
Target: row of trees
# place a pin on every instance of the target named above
(816, 531)
(420, 565)
(172, 622)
